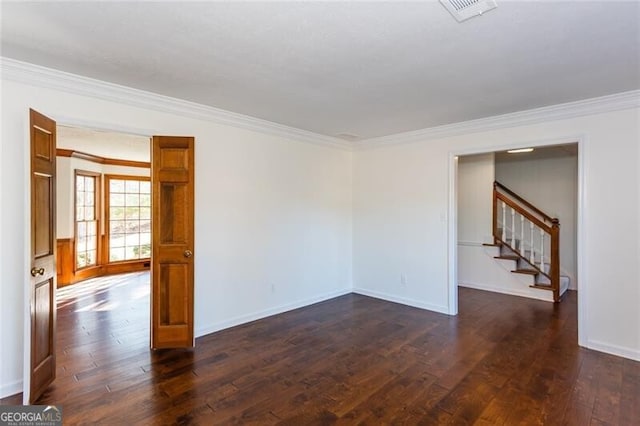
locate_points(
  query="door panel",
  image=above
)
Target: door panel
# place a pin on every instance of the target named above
(43, 251)
(174, 294)
(173, 241)
(42, 219)
(173, 199)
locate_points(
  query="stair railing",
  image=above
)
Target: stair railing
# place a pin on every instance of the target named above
(528, 232)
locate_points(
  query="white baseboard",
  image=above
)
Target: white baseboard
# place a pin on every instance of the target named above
(544, 295)
(9, 389)
(608, 348)
(402, 300)
(242, 319)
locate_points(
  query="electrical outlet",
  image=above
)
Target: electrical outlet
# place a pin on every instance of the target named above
(403, 279)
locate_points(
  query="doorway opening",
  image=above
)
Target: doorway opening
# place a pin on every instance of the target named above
(104, 236)
(550, 175)
(103, 206)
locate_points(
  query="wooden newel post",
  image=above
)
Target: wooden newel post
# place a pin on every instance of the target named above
(555, 259)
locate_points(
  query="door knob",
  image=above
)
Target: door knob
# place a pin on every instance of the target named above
(36, 271)
(188, 253)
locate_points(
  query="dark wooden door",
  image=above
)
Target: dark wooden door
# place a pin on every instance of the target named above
(172, 177)
(43, 248)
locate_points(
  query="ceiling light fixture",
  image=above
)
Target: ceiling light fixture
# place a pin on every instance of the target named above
(518, 151)
(465, 9)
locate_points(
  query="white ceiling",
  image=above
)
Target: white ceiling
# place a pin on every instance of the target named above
(104, 144)
(361, 68)
(539, 153)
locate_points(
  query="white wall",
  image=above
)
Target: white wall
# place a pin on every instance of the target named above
(551, 184)
(476, 174)
(65, 188)
(271, 212)
(401, 200)
(400, 224)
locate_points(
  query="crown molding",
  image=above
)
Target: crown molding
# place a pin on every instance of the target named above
(23, 72)
(603, 104)
(35, 75)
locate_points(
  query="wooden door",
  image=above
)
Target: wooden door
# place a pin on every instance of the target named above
(43, 253)
(172, 178)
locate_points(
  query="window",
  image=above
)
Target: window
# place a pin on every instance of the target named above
(86, 218)
(129, 217)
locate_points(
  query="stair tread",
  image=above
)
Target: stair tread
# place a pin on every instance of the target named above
(526, 271)
(542, 286)
(492, 244)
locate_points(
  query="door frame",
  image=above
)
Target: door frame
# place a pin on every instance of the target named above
(452, 227)
(26, 279)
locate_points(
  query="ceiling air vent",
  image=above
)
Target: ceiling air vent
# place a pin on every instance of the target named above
(465, 9)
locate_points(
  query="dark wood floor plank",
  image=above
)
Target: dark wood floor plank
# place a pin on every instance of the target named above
(503, 360)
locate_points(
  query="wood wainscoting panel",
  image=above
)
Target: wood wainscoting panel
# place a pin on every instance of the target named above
(126, 267)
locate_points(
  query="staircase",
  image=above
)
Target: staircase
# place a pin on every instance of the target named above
(528, 240)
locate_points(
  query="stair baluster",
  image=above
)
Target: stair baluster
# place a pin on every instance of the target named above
(504, 221)
(513, 228)
(532, 257)
(542, 249)
(522, 235)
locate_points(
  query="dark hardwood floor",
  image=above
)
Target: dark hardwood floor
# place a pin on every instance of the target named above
(503, 360)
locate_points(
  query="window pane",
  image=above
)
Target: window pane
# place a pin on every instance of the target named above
(132, 252)
(81, 244)
(145, 187)
(145, 250)
(88, 183)
(92, 243)
(79, 183)
(132, 212)
(82, 230)
(132, 186)
(116, 200)
(80, 213)
(145, 212)
(116, 240)
(92, 228)
(133, 200)
(81, 261)
(79, 198)
(89, 213)
(116, 254)
(91, 257)
(145, 226)
(145, 200)
(116, 226)
(133, 239)
(145, 238)
(116, 185)
(89, 199)
(116, 213)
(133, 226)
